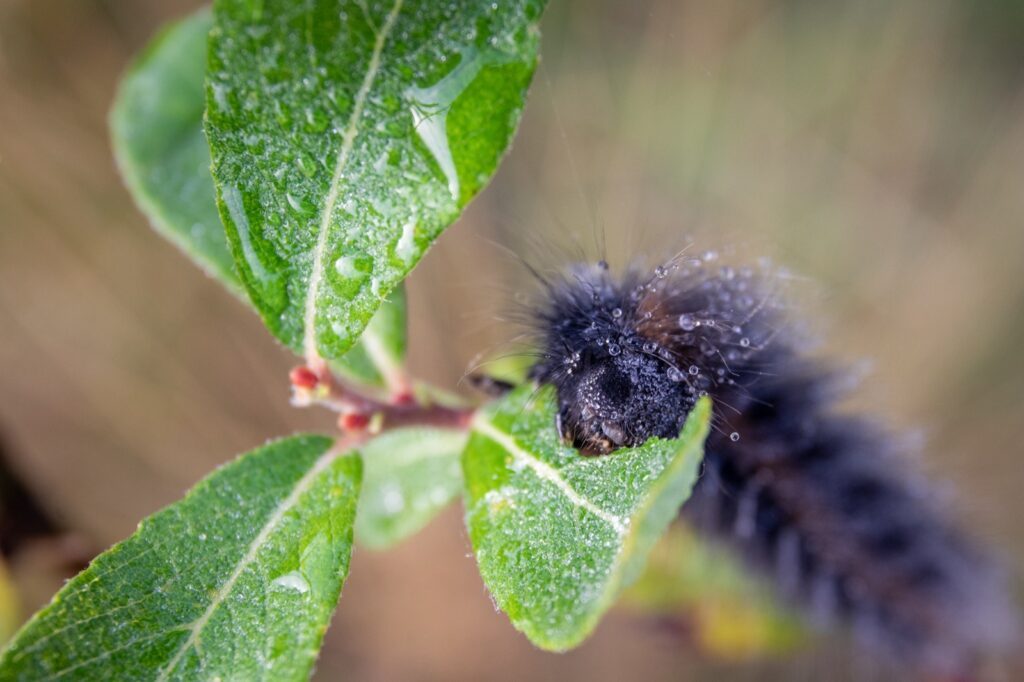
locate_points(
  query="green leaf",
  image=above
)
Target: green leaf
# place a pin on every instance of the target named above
(557, 535)
(411, 475)
(378, 357)
(347, 135)
(236, 581)
(156, 127)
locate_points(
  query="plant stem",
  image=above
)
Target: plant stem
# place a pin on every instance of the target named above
(360, 413)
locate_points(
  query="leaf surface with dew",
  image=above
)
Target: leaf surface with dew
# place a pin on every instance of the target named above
(238, 580)
(156, 127)
(346, 136)
(557, 535)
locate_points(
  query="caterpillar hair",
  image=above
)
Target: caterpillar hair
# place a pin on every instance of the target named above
(820, 501)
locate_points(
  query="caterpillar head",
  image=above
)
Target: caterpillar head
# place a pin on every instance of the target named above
(629, 356)
(616, 387)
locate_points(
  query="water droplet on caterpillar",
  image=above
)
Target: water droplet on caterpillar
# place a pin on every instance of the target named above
(674, 375)
(734, 436)
(687, 322)
(613, 349)
(745, 342)
(617, 313)
(694, 370)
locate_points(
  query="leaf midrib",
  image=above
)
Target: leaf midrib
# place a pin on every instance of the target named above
(301, 487)
(546, 472)
(347, 141)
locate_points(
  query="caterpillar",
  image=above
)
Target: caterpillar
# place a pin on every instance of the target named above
(821, 501)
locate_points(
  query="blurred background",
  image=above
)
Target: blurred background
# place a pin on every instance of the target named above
(875, 148)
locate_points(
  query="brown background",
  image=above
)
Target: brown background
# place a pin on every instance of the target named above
(876, 148)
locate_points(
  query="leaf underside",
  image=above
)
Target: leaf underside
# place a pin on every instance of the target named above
(557, 535)
(346, 136)
(238, 580)
(156, 128)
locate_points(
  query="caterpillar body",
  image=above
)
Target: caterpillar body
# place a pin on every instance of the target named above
(820, 501)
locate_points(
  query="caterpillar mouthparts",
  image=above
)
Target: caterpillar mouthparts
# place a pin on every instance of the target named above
(820, 501)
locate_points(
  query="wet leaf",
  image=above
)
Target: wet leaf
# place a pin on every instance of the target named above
(378, 357)
(156, 127)
(557, 535)
(410, 475)
(346, 136)
(236, 581)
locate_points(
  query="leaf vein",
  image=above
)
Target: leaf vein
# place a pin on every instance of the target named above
(196, 627)
(548, 473)
(347, 142)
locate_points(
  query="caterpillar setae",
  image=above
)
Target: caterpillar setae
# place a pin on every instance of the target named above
(819, 500)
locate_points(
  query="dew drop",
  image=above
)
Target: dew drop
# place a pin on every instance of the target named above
(292, 581)
(617, 313)
(306, 164)
(745, 342)
(734, 436)
(406, 247)
(613, 349)
(346, 267)
(687, 322)
(300, 204)
(694, 370)
(675, 375)
(430, 106)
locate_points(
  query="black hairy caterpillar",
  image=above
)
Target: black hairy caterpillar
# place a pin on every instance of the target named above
(817, 499)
